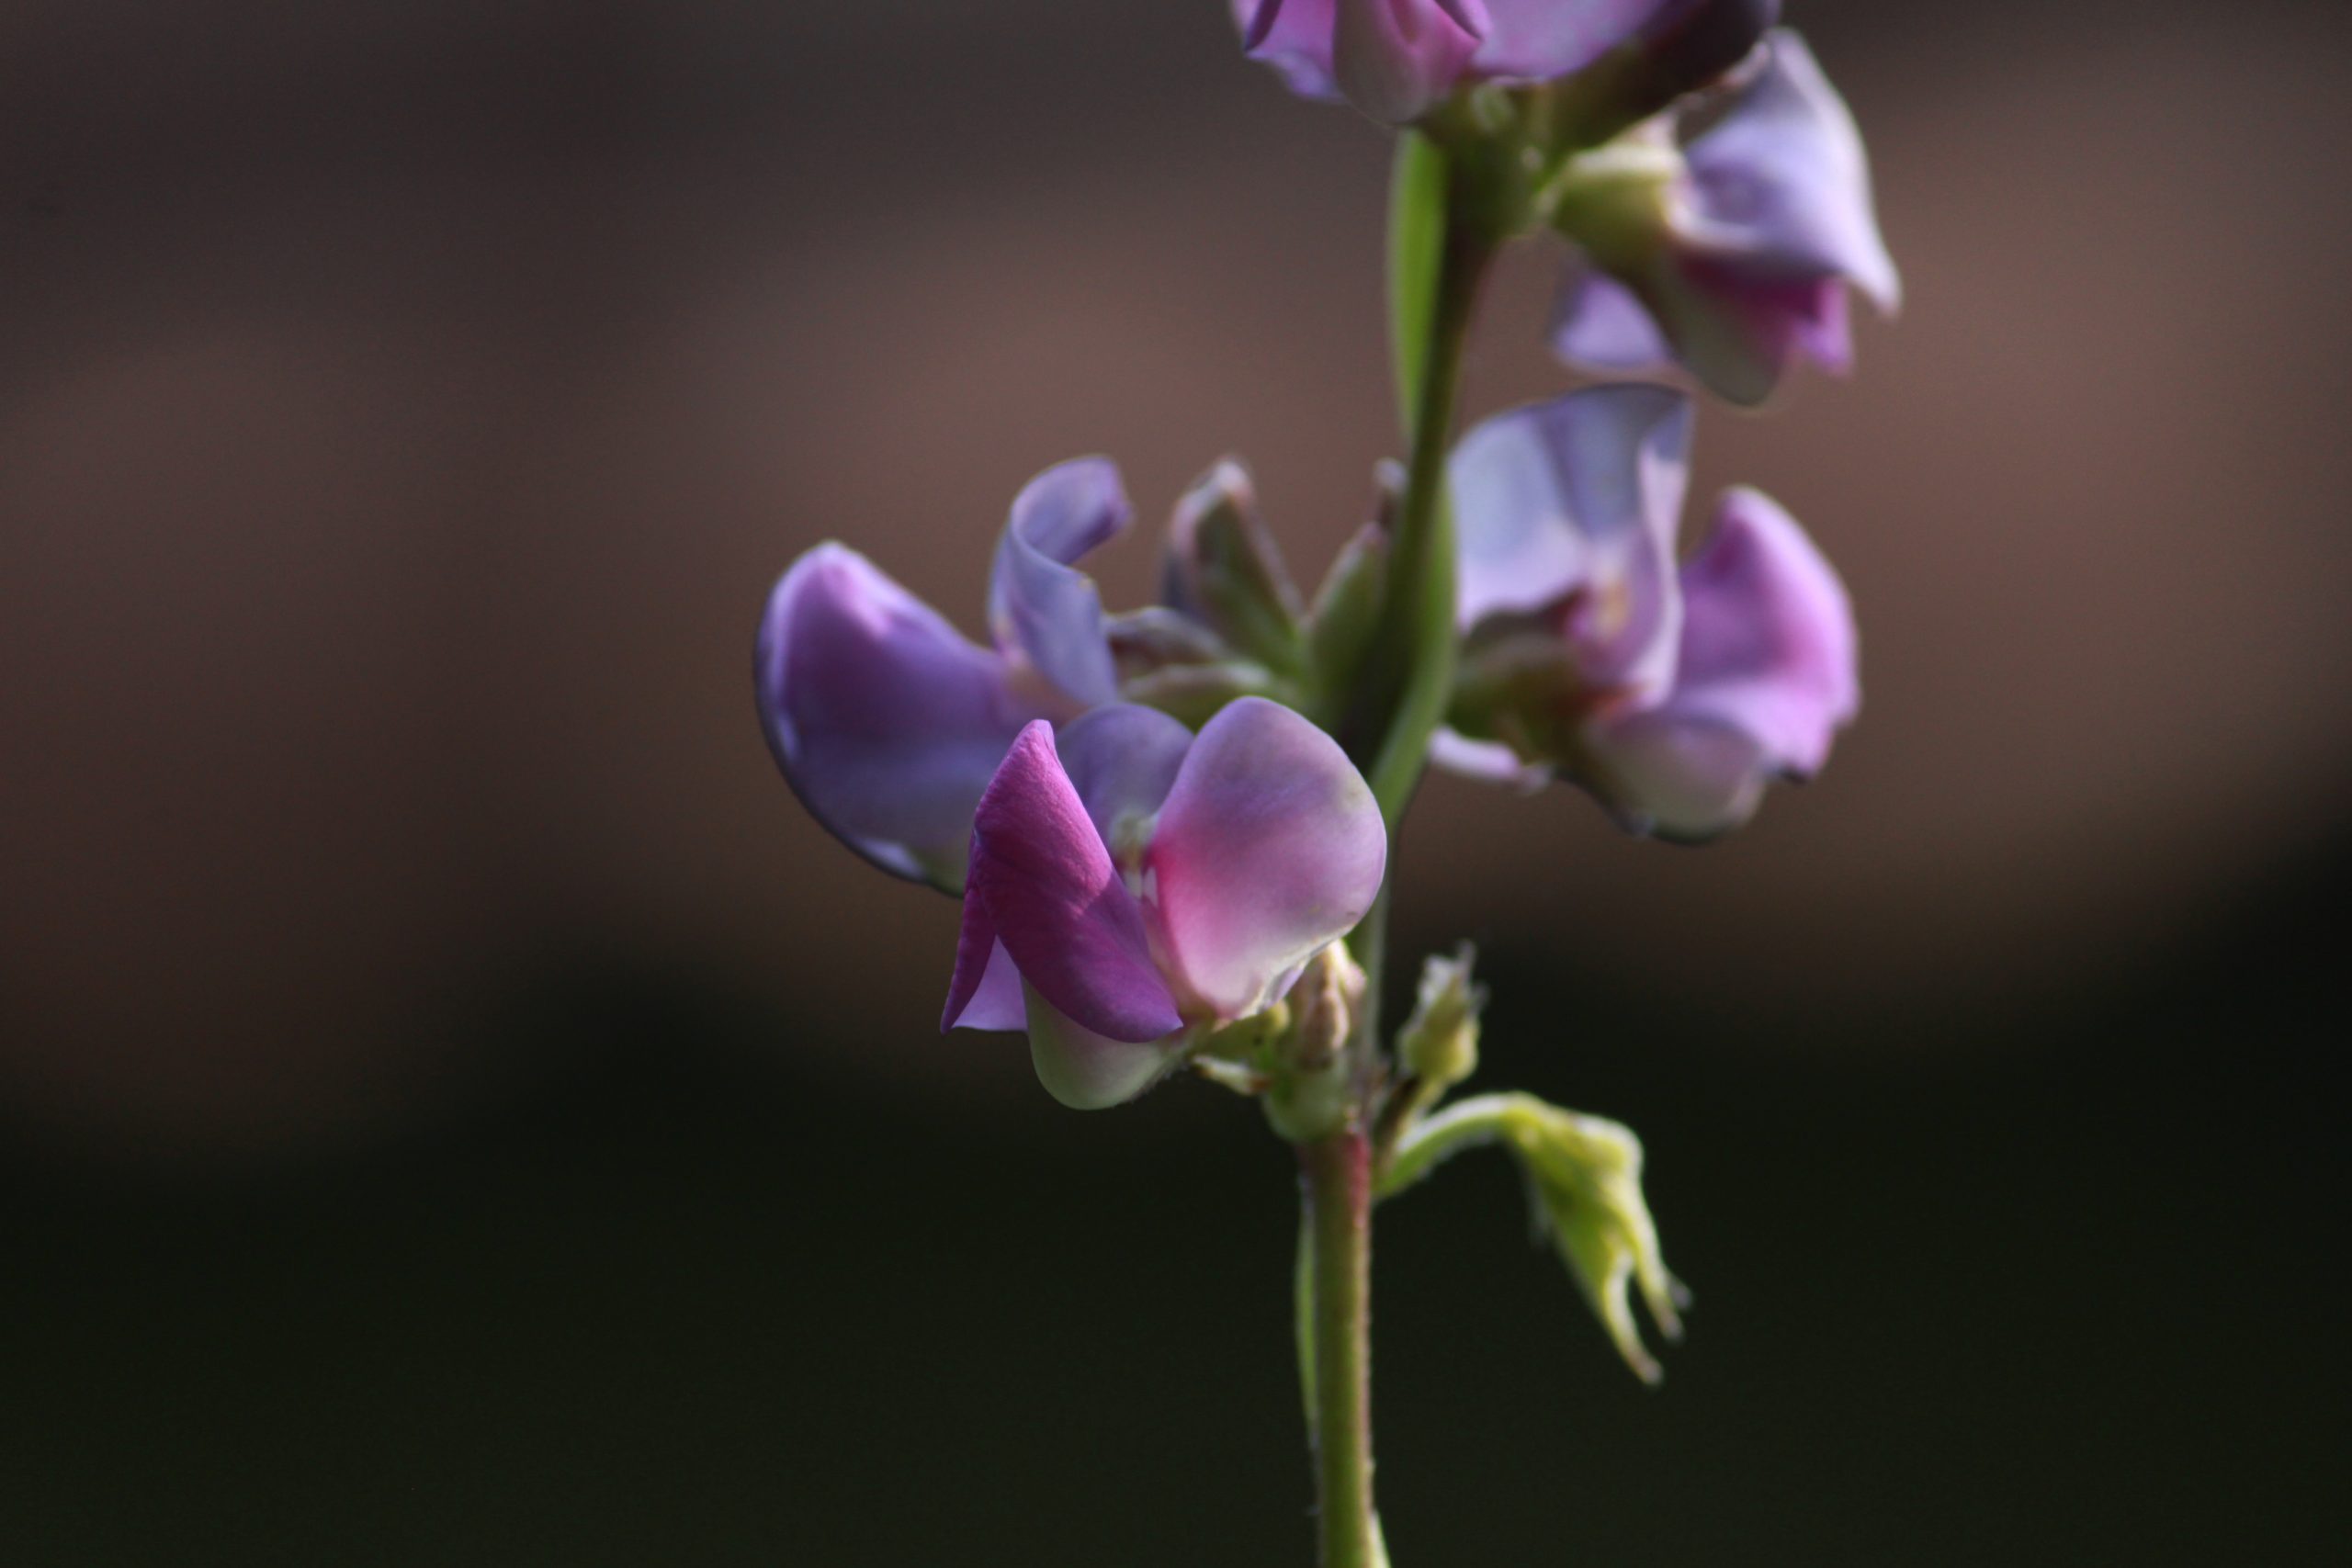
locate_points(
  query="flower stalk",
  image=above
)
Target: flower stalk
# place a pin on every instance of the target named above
(1335, 1183)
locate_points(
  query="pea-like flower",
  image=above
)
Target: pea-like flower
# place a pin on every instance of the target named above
(1133, 886)
(1673, 694)
(1395, 60)
(1731, 255)
(888, 722)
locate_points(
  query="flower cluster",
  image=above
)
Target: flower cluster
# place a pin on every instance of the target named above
(1170, 828)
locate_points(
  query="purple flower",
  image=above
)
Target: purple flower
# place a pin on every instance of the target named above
(1732, 256)
(1132, 885)
(888, 722)
(1673, 694)
(1395, 60)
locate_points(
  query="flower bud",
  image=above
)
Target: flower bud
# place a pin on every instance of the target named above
(1585, 1175)
(1222, 569)
(1439, 1044)
(1308, 1099)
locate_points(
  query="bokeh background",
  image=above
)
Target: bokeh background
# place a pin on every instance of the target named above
(455, 1109)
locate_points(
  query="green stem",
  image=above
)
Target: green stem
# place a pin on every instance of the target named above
(1466, 1125)
(1336, 1182)
(1439, 257)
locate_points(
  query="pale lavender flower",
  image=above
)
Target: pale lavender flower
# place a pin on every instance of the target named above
(1395, 60)
(888, 722)
(1132, 885)
(1672, 693)
(1731, 255)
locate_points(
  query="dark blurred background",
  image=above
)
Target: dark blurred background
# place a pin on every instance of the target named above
(455, 1109)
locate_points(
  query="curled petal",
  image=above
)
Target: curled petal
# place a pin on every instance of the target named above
(1743, 268)
(1575, 503)
(1086, 1071)
(1052, 896)
(1268, 847)
(1122, 759)
(985, 991)
(1295, 37)
(886, 720)
(1039, 607)
(1767, 676)
(1782, 180)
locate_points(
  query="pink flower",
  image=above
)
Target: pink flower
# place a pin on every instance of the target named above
(1132, 885)
(1673, 694)
(1731, 255)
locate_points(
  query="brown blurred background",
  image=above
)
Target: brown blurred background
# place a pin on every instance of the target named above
(453, 1107)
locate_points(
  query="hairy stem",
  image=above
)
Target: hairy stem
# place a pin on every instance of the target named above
(1466, 1125)
(1336, 1182)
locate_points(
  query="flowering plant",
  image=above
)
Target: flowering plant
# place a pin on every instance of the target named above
(1170, 828)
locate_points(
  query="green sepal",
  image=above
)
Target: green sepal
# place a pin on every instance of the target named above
(1223, 569)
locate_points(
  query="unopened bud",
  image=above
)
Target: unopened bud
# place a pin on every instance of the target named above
(1587, 1175)
(1309, 1097)
(1439, 1044)
(1347, 609)
(1223, 569)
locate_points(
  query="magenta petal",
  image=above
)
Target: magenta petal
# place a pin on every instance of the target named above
(1536, 41)
(986, 990)
(1767, 676)
(1579, 499)
(1768, 636)
(1055, 899)
(1122, 759)
(886, 720)
(1295, 37)
(1270, 847)
(1086, 1071)
(1039, 607)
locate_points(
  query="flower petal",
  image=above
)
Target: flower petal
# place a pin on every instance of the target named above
(1603, 326)
(1395, 60)
(1767, 635)
(1767, 676)
(1782, 180)
(1488, 762)
(1579, 499)
(1268, 847)
(1295, 37)
(1122, 759)
(1086, 1071)
(1055, 899)
(886, 720)
(1040, 609)
(986, 990)
(1536, 41)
